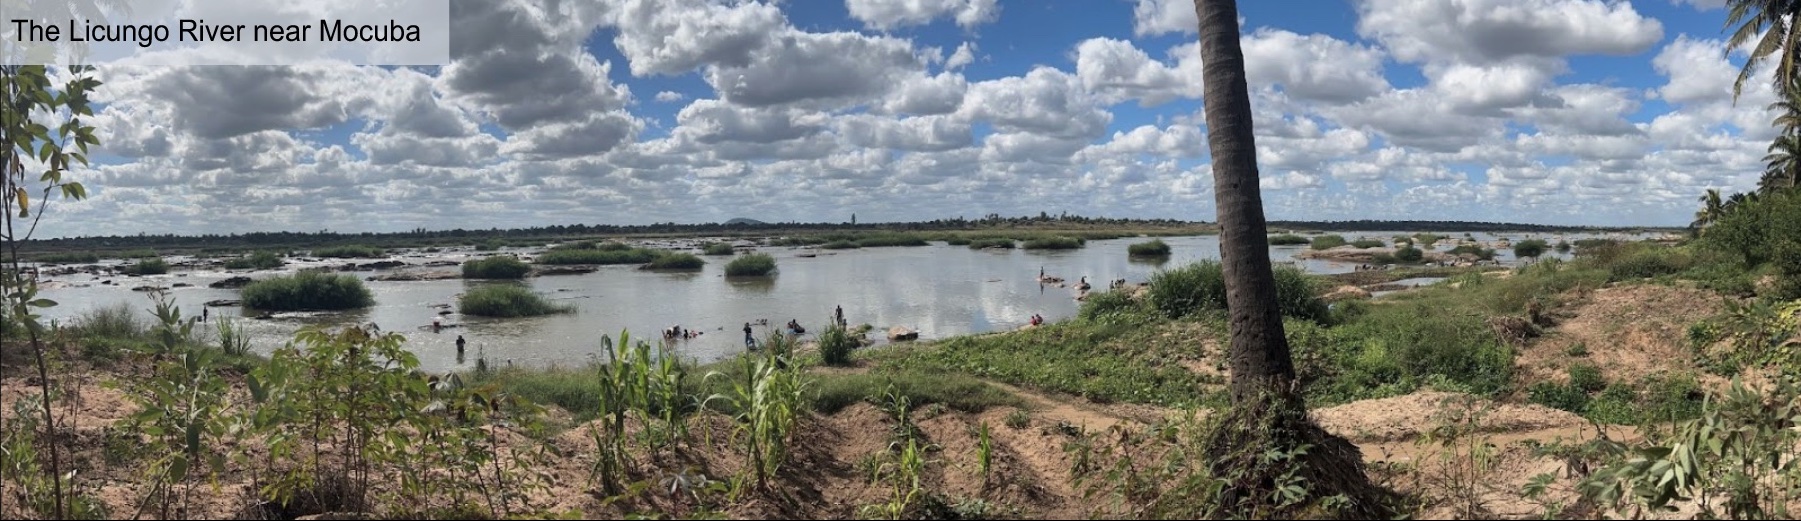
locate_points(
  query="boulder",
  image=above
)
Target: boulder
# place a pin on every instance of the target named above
(900, 333)
(234, 282)
(221, 303)
(148, 288)
(180, 285)
(381, 265)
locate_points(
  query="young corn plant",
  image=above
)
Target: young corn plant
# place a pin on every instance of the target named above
(905, 469)
(768, 402)
(984, 452)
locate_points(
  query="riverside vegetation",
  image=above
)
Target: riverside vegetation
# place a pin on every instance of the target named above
(1103, 415)
(646, 432)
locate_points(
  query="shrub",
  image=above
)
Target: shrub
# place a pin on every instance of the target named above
(1529, 248)
(1287, 239)
(1558, 396)
(1326, 242)
(1587, 378)
(959, 240)
(1647, 262)
(1369, 243)
(1202, 286)
(1563, 246)
(349, 251)
(1054, 243)
(507, 300)
(1107, 304)
(753, 265)
(490, 245)
(676, 261)
(835, 345)
(839, 245)
(307, 290)
(1409, 254)
(718, 248)
(140, 253)
(114, 321)
(147, 267)
(1428, 240)
(597, 256)
(262, 260)
(991, 242)
(1394, 349)
(496, 267)
(1154, 248)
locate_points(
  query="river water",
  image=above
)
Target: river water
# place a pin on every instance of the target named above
(938, 290)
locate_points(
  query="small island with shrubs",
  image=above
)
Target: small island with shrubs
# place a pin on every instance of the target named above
(496, 267)
(1154, 248)
(753, 265)
(676, 262)
(507, 301)
(308, 291)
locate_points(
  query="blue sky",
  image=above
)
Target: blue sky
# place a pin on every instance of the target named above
(638, 111)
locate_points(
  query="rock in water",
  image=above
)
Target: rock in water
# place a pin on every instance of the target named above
(234, 282)
(899, 333)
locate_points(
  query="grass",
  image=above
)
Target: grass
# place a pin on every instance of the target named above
(496, 267)
(959, 392)
(718, 248)
(261, 260)
(1103, 361)
(990, 242)
(1409, 254)
(1428, 240)
(1154, 248)
(71, 257)
(1287, 239)
(1326, 242)
(307, 290)
(507, 301)
(561, 255)
(753, 265)
(1054, 243)
(146, 267)
(676, 261)
(352, 251)
(1368, 243)
(840, 245)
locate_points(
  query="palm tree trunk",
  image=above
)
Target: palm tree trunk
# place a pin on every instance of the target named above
(1258, 355)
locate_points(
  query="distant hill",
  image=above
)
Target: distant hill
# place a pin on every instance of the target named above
(741, 220)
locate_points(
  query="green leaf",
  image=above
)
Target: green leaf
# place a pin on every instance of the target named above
(178, 469)
(193, 438)
(41, 303)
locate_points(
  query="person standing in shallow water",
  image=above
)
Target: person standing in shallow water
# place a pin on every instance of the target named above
(460, 344)
(749, 341)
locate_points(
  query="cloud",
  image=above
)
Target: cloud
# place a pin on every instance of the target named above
(1046, 102)
(892, 14)
(1155, 17)
(827, 69)
(670, 96)
(669, 37)
(965, 55)
(1484, 32)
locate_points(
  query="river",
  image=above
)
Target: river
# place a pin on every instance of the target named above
(938, 290)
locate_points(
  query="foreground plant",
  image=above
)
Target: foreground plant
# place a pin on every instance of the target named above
(29, 147)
